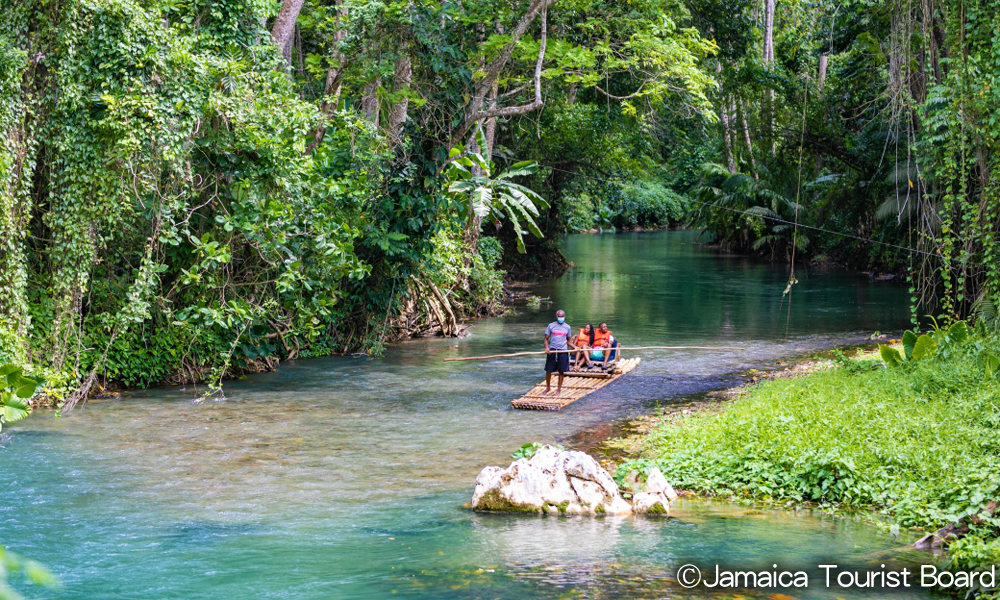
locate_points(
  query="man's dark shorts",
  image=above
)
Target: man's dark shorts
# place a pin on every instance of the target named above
(557, 362)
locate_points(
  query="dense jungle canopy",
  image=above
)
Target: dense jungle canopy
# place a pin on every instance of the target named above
(191, 188)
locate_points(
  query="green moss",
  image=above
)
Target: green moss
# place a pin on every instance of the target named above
(656, 509)
(562, 506)
(600, 509)
(494, 502)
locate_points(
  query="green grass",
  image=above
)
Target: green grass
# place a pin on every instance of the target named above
(918, 444)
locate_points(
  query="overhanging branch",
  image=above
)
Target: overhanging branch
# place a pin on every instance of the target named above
(473, 110)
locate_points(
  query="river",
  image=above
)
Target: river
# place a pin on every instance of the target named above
(344, 477)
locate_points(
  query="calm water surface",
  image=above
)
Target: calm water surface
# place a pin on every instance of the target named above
(344, 477)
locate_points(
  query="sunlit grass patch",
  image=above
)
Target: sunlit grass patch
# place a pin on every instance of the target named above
(918, 443)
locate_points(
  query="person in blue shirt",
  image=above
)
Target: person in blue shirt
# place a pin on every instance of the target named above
(557, 336)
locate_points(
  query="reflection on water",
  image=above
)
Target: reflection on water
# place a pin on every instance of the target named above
(344, 477)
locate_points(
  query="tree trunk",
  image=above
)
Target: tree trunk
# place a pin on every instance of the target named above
(400, 87)
(332, 87)
(491, 104)
(283, 30)
(369, 101)
(730, 160)
(823, 59)
(724, 117)
(746, 137)
(491, 126)
(769, 7)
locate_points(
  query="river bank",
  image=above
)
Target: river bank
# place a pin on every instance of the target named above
(913, 446)
(629, 438)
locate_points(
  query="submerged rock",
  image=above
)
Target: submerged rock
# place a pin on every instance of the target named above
(552, 481)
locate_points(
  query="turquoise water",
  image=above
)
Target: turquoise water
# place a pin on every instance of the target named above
(344, 477)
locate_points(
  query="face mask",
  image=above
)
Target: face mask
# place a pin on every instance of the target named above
(561, 319)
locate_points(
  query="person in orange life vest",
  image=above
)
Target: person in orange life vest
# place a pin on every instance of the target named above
(583, 340)
(602, 345)
(557, 338)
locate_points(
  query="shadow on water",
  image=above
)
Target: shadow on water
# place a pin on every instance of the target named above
(344, 477)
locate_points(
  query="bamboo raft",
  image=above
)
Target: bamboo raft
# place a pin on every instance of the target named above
(576, 385)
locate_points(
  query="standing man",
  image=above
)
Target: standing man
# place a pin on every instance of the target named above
(557, 338)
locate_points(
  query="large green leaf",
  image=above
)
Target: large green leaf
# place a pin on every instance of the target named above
(482, 201)
(6, 370)
(521, 169)
(13, 376)
(481, 141)
(26, 388)
(959, 333)
(457, 170)
(990, 363)
(909, 339)
(538, 200)
(517, 229)
(925, 347)
(13, 408)
(525, 209)
(890, 356)
(461, 186)
(518, 197)
(480, 162)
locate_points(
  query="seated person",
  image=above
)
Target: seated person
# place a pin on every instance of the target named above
(584, 340)
(603, 340)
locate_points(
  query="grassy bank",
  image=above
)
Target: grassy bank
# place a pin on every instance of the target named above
(918, 443)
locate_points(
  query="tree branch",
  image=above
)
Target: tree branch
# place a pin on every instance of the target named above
(537, 103)
(473, 112)
(613, 97)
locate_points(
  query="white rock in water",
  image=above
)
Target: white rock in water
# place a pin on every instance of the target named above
(552, 481)
(656, 483)
(650, 504)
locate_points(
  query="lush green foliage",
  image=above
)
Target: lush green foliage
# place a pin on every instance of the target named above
(873, 124)
(486, 196)
(917, 442)
(644, 204)
(180, 198)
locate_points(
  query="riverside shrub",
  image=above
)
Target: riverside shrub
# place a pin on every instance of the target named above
(917, 443)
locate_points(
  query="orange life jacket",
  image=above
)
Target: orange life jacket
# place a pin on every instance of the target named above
(601, 338)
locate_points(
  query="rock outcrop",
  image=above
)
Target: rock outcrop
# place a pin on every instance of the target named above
(564, 481)
(552, 481)
(655, 495)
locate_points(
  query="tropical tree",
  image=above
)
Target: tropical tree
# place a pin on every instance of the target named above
(497, 197)
(745, 214)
